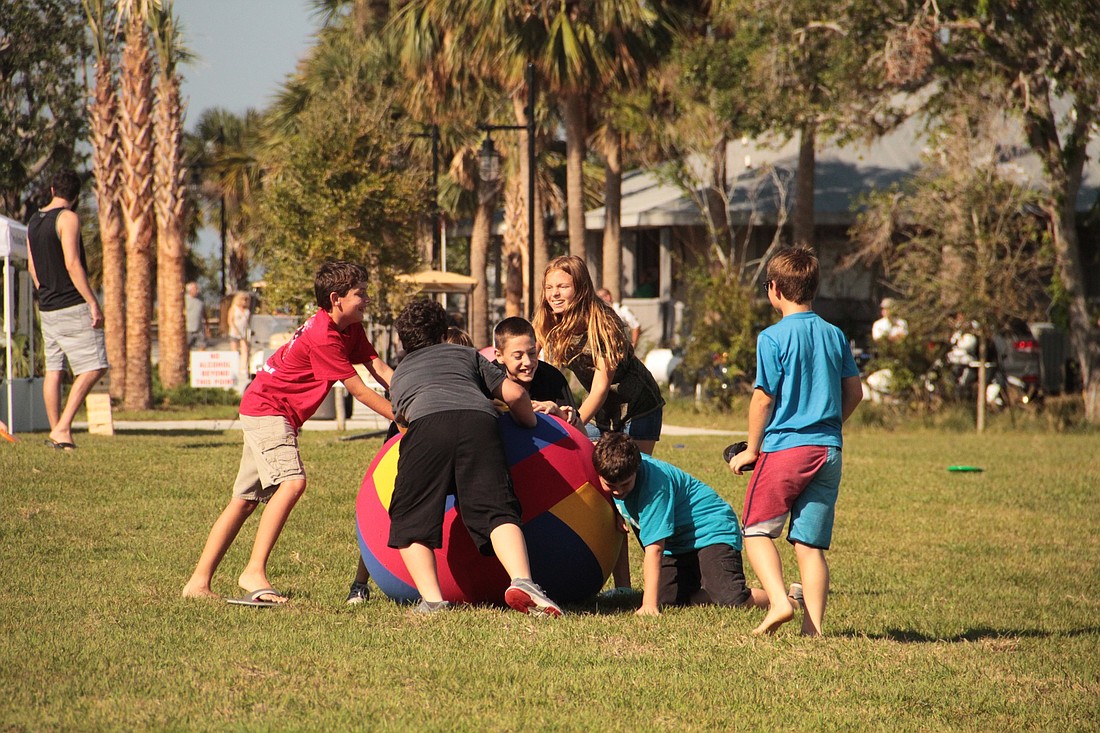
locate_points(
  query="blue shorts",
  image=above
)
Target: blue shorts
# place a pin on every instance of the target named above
(800, 483)
(646, 427)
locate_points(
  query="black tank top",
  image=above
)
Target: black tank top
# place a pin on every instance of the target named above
(55, 287)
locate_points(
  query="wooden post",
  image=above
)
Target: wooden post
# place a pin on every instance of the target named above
(100, 420)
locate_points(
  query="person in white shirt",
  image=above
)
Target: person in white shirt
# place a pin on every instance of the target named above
(630, 321)
(889, 327)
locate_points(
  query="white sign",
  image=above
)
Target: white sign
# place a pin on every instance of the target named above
(218, 369)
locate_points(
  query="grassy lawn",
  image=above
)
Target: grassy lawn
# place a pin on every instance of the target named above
(959, 602)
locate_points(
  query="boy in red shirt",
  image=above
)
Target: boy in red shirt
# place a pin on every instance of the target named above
(285, 393)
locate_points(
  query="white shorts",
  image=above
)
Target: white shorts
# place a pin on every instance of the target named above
(68, 336)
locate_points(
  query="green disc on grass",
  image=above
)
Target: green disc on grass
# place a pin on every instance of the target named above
(964, 469)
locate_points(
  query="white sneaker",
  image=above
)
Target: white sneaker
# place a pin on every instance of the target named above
(526, 596)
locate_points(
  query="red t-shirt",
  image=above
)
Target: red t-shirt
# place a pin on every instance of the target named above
(297, 378)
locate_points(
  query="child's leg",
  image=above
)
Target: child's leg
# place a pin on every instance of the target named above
(362, 575)
(811, 533)
(222, 534)
(720, 578)
(814, 569)
(766, 563)
(511, 549)
(272, 521)
(420, 561)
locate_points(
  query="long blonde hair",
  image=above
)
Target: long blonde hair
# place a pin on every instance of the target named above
(586, 315)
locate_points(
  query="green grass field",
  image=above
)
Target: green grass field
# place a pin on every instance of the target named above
(959, 602)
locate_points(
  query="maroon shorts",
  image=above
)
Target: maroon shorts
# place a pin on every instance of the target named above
(800, 483)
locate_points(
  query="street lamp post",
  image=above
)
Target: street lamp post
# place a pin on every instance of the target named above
(489, 163)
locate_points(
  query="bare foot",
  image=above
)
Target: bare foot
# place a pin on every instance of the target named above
(252, 582)
(776, 617)
(197, 590)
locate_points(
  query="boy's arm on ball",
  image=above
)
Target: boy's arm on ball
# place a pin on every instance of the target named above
(519, 403)
(360, 391)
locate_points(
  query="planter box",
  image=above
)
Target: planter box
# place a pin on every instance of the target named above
(28, 408)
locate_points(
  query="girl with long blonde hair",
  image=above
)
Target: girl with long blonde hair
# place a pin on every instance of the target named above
(578, 330)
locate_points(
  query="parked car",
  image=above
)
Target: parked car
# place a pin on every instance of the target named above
(1019, 366)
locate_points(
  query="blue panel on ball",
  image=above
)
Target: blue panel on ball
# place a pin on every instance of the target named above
(389, 584)
(521, 443)
(561, 562)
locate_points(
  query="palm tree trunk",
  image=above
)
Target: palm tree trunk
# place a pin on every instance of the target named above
(804, 187)
(612, 221)
(479, 256)
(136, 134)
(541, 256)
(106, 165)
(239, 264)
(575, 133)
(515, 237)
(171, 247)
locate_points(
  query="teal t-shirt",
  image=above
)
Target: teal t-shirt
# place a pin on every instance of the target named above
(672, 505)
(800, 362)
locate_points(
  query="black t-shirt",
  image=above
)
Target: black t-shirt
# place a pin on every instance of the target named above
(55, 287)
(549, 385)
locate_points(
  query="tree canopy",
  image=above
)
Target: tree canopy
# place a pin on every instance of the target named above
(42, 117)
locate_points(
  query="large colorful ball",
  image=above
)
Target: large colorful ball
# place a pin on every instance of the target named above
(568, 521)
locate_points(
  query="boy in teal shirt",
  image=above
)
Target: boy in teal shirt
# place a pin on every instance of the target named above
(691, 536)
(807, 385)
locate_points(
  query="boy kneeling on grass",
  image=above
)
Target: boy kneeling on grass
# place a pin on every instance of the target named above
(691, 536)
(285, 393)
(443, 392)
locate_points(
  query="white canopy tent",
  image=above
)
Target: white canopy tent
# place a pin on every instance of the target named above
(18, 311)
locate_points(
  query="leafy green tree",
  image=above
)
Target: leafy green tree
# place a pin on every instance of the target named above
(334, 185)
(1042, 59)
(42, 49)
(963, 235)
(223, 152)
(813, 70)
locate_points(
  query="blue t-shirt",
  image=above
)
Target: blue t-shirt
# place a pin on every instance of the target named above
(800, 362)
(672, 505)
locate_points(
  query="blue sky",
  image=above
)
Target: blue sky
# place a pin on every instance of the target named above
(244, 49)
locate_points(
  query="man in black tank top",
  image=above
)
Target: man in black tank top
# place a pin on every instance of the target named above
(72, 322)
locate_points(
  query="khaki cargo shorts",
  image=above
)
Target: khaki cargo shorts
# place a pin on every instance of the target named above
(270, 457)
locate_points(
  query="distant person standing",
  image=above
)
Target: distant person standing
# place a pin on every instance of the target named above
(194, 316)
(239, 317)
(630, 321)
(889, 327)
(72, 322)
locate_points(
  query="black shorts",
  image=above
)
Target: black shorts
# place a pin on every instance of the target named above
(710, 575)
(455, 452)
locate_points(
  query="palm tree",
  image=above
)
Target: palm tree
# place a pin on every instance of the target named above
(107, 169)
(636, 36)
(171, 199)
(136, 134)
(467, 48)
(226, 148)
